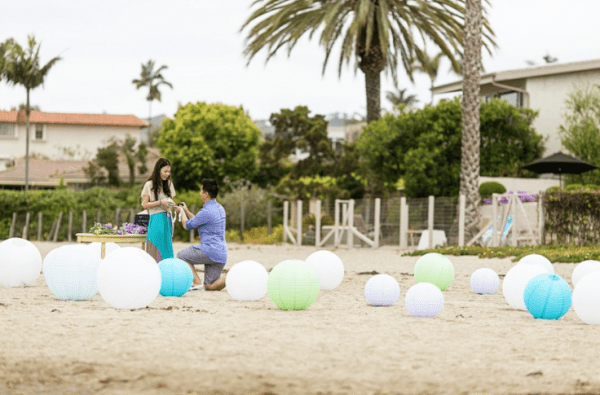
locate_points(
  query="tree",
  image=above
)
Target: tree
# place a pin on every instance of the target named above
(209, 141)
(23, 67)
(375, 33)
(424, 146)
(427, 65)
(469, 170)
(133, 156)
(580, 130)
(147, 78)
(547, 58)
(400, 99)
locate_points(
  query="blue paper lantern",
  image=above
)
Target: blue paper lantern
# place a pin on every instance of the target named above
(71, 272)
(547, 296)
(177, 277)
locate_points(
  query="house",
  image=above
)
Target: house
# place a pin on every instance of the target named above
(543, 88)
(63, 136)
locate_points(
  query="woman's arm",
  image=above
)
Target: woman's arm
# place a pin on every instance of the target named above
(146, 203)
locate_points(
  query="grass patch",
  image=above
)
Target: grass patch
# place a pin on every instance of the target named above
(555, 253)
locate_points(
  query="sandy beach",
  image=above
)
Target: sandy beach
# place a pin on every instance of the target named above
(208, 343)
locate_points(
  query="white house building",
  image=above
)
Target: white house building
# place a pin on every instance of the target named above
(544, 89)
(63, 136)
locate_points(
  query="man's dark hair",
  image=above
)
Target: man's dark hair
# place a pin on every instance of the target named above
(211, 187)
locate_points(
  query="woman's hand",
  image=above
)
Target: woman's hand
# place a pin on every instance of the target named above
(164, 202)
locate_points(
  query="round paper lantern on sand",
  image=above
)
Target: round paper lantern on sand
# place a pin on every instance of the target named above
(583, 268)
(424, 300)
(20, 262)
(329, 267)
(536, 259)
(516, 280)
(71, 272)
(108, 247)
(128, 278)
(586, 299)
(436, 269)
(176, 277)
(382, 290)
(293, 285)
(484, 281)
(246, 281)
(547, 296)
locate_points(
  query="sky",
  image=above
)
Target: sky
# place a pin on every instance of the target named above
(103, 44)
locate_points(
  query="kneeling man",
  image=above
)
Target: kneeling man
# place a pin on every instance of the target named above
(212, 250)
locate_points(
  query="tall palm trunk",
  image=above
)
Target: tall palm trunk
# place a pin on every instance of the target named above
(469, 172)
(373, 90)
(27, 111)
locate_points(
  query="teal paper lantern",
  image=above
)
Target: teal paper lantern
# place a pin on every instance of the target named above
(176, 275)
(547, 296)
(436, 269)
(293, 285)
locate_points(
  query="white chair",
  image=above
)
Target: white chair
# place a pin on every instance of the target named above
(439, 239)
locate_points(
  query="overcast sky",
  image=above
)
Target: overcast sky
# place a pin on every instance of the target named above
(104, 42)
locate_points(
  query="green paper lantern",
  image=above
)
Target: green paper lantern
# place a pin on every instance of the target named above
(436, 269)
(293, 285)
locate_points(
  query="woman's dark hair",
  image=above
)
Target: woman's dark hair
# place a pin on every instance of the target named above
(157, 182)
(211, 187)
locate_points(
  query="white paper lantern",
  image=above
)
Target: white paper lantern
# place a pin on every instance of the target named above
(246, 281)
(424, 300)
(129, 278)
(484, 281)
(329, 266)
(71, 272)
(382, 290)
(516, 280)
(108, 247)
(535, 259)
(583, 268)
(20, 262)
(586, 298)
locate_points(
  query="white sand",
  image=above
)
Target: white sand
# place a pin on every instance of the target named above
(208, 343)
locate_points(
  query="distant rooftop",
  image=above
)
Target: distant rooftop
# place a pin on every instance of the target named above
(72, 119)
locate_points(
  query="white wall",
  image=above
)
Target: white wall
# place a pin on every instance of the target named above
(547, 95)
(83, 140)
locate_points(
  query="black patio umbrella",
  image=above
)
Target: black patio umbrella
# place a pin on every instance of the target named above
(560, 164)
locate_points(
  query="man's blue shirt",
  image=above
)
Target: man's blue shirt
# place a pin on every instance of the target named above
(210, 221)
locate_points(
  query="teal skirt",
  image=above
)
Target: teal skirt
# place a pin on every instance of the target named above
(159, 239)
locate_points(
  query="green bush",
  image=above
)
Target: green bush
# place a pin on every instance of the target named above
(310, 220)
(486, 189)
(553, 189)
(574, 187)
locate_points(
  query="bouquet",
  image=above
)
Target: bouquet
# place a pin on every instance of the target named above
(109, 229)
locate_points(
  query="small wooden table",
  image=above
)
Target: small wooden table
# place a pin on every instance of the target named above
(102, 239)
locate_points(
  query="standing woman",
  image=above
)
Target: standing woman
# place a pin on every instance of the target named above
(156, 191)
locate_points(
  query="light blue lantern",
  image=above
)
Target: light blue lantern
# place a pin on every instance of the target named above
(547, 296)
(71, 272)
(176, 275)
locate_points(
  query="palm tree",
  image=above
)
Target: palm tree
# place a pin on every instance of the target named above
(469, 170)
(377, 34)
(22, 67)
(400, 98)
(427, 65)
(147, 78)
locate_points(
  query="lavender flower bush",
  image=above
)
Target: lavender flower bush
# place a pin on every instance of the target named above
(505, 199)
(110, 229)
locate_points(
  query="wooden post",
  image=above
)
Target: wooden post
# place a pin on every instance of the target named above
(299, 219)
(26, 227)
(430, 222)
(99, 216)
(318, 224)
(285, 219)
(336, 221)
(132, 215)
(377, 220)
(515, 225)
(350, 234)
(11, 232)
(117, 215)
(39, 235)
(269, 219)
(84, 222)
(51, 230)
(192, 231)
(462, 204)
(494, 220)
(57, 227)
(403, 223)
(70, 225)
(541, 221)
(242, 221)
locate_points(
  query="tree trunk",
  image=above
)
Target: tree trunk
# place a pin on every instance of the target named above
(373, 89)
(469, 172)
(27, 111)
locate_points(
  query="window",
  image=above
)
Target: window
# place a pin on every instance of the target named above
(39, 131)
(513, 98)
(7, 130)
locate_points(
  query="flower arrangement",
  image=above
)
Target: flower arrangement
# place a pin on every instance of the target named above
(505, 199)
(109, 229)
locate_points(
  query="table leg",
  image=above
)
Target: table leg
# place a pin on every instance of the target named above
(144, 245)
(102, 249)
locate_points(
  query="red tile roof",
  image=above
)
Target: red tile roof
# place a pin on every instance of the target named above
(72, 119)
